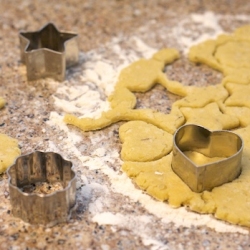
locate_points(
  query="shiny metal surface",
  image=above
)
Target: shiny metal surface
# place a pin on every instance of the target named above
(198, 139)
(45, 209)
(48, 52)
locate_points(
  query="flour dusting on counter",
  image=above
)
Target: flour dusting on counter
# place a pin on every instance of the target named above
(197, 28)
(139, 225)
(88, 98)
(77, 101)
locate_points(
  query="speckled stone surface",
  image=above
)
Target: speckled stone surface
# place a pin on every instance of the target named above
(29, 105)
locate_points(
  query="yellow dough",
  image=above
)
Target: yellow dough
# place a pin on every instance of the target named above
(8, 148)
(147, 138)
(158, 180)
(242, 113)
(167, 122)
(210, 117)
(2, 102)
(9, 151)
(239, 95)
(199, 97)
(139, 138)
(228, 53)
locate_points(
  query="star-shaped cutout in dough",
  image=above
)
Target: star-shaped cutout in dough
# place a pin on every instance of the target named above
(210, 117)
(47, 52)
(198, 97)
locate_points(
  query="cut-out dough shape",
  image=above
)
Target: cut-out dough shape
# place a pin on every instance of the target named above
(223, 106)
(139, 138)
(9, 151)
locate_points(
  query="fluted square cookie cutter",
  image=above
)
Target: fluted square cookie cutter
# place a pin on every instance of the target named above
(47, 52)
(36, 208)
(211, 144)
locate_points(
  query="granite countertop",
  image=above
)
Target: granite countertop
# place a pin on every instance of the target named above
(110, 212)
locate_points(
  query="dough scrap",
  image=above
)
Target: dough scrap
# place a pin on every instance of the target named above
(2, 102)
(169, 122)
(9, 151)
(223, 106)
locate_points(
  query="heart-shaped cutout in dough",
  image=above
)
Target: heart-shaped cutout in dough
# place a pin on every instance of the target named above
(222, 148)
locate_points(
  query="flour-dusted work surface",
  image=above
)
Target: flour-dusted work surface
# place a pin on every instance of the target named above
(111, 211)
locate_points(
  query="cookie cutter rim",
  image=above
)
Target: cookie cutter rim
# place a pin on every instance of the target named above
(51, 200)
(36, 59)
(205, 177)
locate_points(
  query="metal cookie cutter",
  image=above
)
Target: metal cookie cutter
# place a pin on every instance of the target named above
(42, 207)
(224, 144)
(47, 52)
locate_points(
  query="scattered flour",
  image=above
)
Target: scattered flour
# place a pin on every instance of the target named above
(197, 28)
(78, 101)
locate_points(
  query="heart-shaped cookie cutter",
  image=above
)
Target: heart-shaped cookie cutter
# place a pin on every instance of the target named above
(221, 143)
(42, 208)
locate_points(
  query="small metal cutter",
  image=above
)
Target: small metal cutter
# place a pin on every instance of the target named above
(47, 52)
(42, 208)
(224, 144)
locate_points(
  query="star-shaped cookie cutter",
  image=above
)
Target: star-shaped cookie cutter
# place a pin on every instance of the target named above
(46, 207)
(224, 144)
(47, 52)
